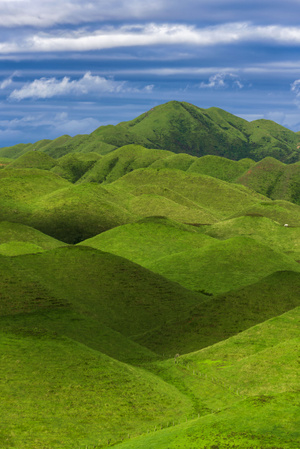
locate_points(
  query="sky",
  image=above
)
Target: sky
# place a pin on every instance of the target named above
(70, 66)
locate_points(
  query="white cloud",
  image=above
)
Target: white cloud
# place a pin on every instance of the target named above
(150, 34)
(295, 87)
(51, 87)
(220, 80)
(5, 83)
(52, 12)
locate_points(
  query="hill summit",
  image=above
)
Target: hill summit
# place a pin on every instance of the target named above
(180, 127)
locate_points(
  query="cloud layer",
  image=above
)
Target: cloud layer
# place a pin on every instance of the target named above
(151, 34)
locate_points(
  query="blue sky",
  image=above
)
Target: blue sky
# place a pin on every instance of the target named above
(67, 67)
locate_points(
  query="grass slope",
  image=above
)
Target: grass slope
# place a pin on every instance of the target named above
(274, 179)
(244, 389)
(73, 166)
(17, 232)
(223, 265)
(181, 128)
(79, 212)
(122, 161)
(278, 237)
(58, 393)
(216, 197)
(121, 295)
(149, 239)
(223, 316)
(47, 202)
(280, 211)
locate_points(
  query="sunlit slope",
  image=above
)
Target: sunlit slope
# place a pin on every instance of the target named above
(216, 197)
(220, 167)
(180, 127)
(58, 393)
(17, 232)
(223, 316)
(33, 159)
(223, 265)
(274, 179)
(20, 188)
(280, 238)
(245, 390)
(122, 161)
(283, 212)
(149, 239)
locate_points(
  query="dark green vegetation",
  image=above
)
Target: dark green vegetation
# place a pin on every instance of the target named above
(150, 298)
(180, 128)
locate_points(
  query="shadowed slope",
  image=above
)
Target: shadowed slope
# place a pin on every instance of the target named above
(223, 316)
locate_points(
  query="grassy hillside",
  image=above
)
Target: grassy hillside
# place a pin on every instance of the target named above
(58, 393)
(122, 161)
(244, 389)
(223, 265)
(216, 197)
(282, 212)
(149, 239)
(181, 128)
(225, 315)
(278, 237)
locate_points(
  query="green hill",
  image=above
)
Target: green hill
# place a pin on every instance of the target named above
(225, 315)
(282, 212)
(278, 237)
(33, 159)
(244, 389)
(73, 166)
(274, 179)
(16, 232)
(223, 265)
(149, 239)
(181, 128)
(216, 197)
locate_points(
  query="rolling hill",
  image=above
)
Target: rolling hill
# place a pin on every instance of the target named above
(150, 286)
(181, 128)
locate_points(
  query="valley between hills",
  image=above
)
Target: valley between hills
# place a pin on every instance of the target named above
(150, 285)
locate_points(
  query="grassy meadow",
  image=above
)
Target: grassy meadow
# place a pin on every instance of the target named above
(150, 286)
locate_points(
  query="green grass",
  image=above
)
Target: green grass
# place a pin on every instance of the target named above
(73, 166)
(221, 168)
(223, 265)
(262, 229)
(79, 212)
(223, 316)
(282, 212)
(17, 232)
(245, 391)
(181, 128)
(122, 161)
(217, 197)
(58, 393)
(121, 295)
(33, 159)
(149, 239)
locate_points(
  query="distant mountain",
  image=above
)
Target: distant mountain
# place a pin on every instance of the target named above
(181, 128)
